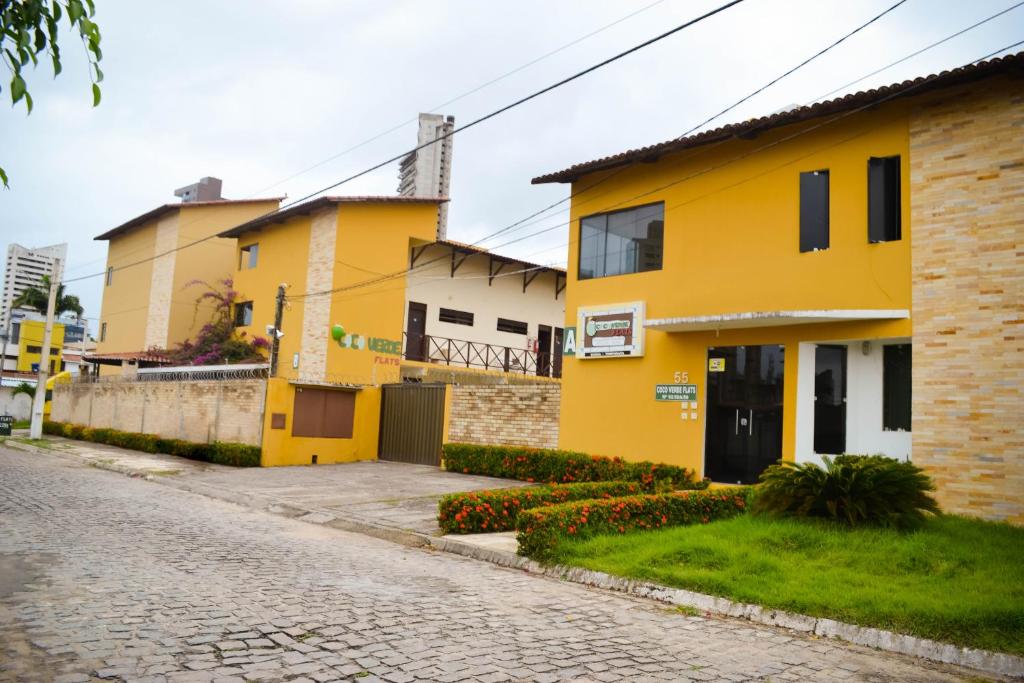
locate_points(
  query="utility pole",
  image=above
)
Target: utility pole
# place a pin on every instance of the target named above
(3, 353)
(275, 341)
(39, 400)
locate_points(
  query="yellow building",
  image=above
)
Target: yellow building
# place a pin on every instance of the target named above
(342, 337)
(761, 291)
(149, 303)
(30, 346)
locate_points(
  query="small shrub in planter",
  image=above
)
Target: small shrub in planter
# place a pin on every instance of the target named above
(546, 465)
(851, 489)
(497, 509)
(539, 530)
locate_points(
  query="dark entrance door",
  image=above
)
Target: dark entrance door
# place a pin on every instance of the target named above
(830, 399)
(744, 412)
(416, 332)
(412, 423)
(544, 350)
(556, 361)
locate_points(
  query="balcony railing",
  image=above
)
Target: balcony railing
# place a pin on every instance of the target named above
(470, 354)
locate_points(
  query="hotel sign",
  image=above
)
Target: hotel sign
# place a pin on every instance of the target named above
(612, 331)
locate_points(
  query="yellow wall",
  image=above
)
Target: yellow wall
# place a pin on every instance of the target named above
(126, 302)
(125, 307)
(31, 333)
(211, 262)
(371, 239)
(732, 245)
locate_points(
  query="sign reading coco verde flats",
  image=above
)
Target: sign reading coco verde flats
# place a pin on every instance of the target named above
(610, 331)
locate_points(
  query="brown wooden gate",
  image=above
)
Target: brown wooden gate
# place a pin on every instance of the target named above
(412, 423)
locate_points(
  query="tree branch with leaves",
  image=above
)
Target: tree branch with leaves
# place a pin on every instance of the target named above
(30, 29)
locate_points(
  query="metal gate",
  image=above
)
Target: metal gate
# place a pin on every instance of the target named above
(412, 423)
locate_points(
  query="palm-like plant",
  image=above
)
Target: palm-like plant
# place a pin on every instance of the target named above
(851, 489)
(24, 388)
(39, 297)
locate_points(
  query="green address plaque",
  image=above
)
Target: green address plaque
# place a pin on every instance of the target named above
(675, 392)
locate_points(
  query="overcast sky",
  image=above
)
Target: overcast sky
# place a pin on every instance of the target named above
(256, 92)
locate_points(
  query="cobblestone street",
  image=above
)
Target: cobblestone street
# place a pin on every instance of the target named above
(107, 577)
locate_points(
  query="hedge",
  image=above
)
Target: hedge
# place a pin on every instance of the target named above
(556, 466)
(218, 452)
(496, 509)
(539, 530)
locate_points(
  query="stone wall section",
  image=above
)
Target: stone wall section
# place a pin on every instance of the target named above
(317, 310)
(505, 414)
(193, 411)
(967, 211)
(161, 287)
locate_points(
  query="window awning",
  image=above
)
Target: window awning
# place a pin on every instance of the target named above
(728, 321)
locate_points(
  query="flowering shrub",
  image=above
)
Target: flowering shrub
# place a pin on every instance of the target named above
(219, 452)
(554, 466)
(496, 510)
(540, 529)
(218, 341)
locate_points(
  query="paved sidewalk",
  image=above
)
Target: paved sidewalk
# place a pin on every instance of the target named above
(392, 495)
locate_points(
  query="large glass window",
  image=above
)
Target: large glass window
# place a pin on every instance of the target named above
(630, 241)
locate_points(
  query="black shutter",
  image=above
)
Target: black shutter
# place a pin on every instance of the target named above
(896, 387)
(813, 210)
(883, 199)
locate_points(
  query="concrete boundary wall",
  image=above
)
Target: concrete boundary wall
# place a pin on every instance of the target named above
(200, 411)
(505, 414)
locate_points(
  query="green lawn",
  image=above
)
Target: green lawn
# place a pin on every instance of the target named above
(956, 580)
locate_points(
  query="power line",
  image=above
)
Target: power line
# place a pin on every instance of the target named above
(467, 93)
(526, 221)
(685, 178)
(459, 129)
(923, 49)
(708, 120)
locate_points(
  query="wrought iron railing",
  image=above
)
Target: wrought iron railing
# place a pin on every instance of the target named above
(470, 354)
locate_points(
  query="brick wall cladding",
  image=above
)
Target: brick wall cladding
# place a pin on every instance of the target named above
(967, 210)
(504, 414)
(193, 411)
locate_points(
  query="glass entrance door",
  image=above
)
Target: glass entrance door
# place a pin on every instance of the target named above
(744, 412)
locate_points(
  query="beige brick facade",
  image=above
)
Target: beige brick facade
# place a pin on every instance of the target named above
(192, 411)
(505, 414)
(162, 283)
(967, 209)
(319, 277)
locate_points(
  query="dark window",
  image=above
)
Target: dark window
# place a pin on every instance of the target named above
(243, 314)
(34, 349)
(323, 413)
(813, 210)
(103, 332)
(110, 276)
(896, 387)
(449, 315)
(630, 241)
(513, 326)
(883, 199)
(247, 256)
(15, 333)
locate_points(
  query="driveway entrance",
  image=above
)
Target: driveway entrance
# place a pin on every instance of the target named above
(412, 423)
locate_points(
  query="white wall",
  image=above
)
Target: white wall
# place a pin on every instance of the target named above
(19, 406)
(469, 291)
(864, 433)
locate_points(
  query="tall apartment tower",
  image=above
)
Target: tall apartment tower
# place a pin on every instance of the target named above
(26, 268)
(427, 172)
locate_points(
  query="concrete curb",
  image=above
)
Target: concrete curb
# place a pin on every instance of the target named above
(980, 660)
